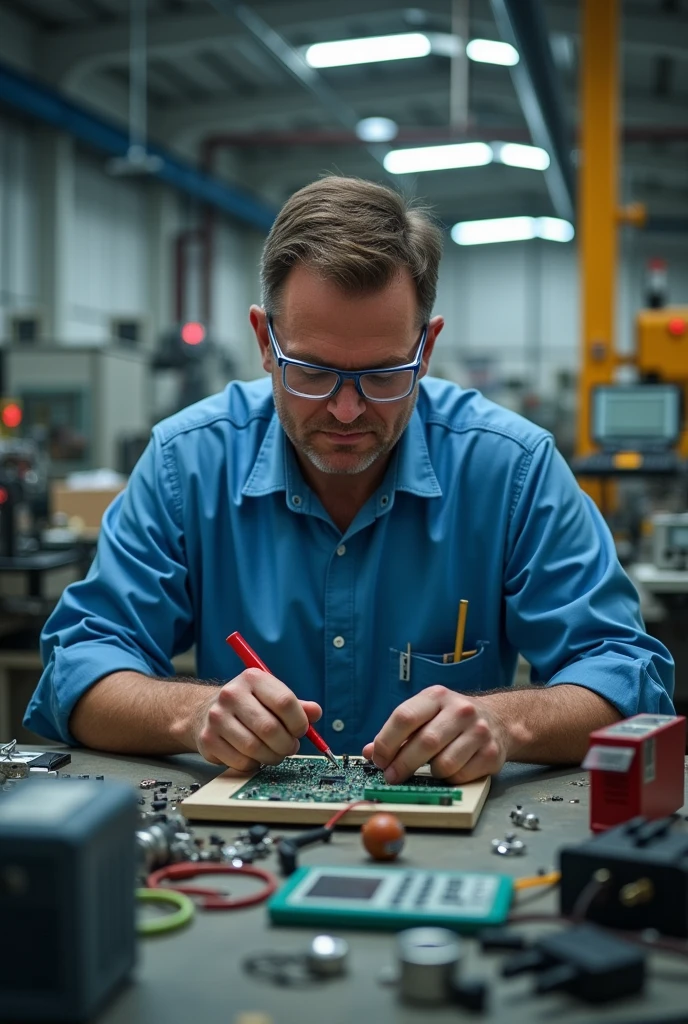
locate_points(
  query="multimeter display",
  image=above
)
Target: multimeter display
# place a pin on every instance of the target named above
(384, 897)
(342, 888)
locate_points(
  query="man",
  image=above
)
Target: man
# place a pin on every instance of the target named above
(335, 514)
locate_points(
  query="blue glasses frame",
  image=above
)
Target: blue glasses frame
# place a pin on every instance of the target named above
(355, 375)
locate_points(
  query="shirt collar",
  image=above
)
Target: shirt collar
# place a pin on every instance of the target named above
(414, 472)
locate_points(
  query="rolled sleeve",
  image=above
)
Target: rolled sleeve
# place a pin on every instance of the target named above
(570, 608)
(132, 612)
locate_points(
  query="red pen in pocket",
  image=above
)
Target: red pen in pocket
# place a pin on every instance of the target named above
(251, 660)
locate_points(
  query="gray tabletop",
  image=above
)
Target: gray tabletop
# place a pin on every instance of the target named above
(197, 974)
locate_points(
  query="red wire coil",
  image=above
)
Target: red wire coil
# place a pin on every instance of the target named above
(189, 869)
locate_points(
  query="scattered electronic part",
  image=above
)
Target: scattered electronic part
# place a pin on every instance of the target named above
(636, 768)
(500, 938)
(328, 956)
(287, 849)
(147, 784)
(584, 961)
(647, 864)
(8, 749)
(311, 779)
(428, 958)
(49, 761)
(556, 798)
(509, 846)
(525, 820)
(12, 770)
(383, 836)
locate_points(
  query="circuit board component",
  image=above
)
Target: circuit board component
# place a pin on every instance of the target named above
(439, 795)
(312, 780)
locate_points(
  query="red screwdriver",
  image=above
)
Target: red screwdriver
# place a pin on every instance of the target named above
(251, 660)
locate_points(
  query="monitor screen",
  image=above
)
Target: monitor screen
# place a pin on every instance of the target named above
(643, 415)
(678, 537)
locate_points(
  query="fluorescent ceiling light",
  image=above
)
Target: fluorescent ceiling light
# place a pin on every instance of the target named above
(554, 229)
(438, 158)
(511, 229)
(368, 50)
(377, 129)
(516, 155)
(488, 51)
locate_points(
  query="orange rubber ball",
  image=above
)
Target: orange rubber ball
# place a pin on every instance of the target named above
(383, 836)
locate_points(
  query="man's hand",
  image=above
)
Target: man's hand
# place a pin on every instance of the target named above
(253, 719)
(463, 738)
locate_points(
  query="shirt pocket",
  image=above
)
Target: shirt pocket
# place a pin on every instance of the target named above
(429, 670)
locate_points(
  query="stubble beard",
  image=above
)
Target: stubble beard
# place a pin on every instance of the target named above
(319, 459)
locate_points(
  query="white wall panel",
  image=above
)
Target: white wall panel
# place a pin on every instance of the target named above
(235, 287)
(18, 222)
(520, 303)
(108, 271)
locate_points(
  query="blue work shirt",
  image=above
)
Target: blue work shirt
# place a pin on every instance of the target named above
(217, 531)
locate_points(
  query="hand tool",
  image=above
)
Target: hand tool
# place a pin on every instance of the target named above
(251, 660)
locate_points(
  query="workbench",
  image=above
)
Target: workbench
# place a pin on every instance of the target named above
(196, 974)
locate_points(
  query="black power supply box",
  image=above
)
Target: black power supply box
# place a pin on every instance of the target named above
(642, 873)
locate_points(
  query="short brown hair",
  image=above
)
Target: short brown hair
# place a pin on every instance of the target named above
(355, 233)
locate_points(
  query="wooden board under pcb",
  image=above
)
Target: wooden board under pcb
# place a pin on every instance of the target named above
(214, 802)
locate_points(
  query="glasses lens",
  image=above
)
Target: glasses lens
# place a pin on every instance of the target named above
(308, 382)
(384, 387)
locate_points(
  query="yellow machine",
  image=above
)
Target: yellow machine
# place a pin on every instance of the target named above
(661, 355)
(662, 352)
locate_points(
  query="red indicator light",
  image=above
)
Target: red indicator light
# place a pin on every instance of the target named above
(193, 333)
(11, 415)
(3, 495)
(676, 326)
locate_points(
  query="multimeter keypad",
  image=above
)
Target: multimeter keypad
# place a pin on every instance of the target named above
(402, 890)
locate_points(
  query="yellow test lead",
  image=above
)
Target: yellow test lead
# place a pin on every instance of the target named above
(460, 629)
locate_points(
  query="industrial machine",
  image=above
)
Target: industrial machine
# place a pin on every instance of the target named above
(23, 495)
(84, 400)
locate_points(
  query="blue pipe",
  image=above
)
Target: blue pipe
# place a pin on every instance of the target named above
(522, 23)
(46, 104)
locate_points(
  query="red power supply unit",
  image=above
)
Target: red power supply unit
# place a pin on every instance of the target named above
(636, 768)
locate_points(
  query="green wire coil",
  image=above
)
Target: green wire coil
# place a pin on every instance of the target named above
(169, 922)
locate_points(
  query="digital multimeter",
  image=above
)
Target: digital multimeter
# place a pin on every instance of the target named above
(392, 898)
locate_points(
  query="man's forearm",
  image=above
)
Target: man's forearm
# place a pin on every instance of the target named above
(550, 725)
(130, 713)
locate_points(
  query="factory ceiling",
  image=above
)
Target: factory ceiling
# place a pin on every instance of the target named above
(208, 76)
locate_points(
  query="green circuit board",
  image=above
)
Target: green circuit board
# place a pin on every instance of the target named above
(314, 780)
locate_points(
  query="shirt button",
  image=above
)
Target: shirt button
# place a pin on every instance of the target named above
(341, 550)
(337, 725)
(296, 500)
(384, 500)
(339, 641)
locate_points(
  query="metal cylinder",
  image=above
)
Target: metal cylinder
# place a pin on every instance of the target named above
(428, 958)
(327, 956)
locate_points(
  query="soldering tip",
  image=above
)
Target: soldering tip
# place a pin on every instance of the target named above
(332, 759)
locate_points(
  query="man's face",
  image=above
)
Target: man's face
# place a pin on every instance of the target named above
(320, 324)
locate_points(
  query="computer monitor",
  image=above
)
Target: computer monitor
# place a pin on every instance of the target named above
(641, 417)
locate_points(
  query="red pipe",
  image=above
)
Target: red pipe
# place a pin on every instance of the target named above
(439, 135)
(180, 267)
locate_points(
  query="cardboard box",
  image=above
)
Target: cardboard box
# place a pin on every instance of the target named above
(87, 505)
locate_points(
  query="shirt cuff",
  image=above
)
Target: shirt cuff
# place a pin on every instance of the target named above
(70, 672)
(628, 684)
